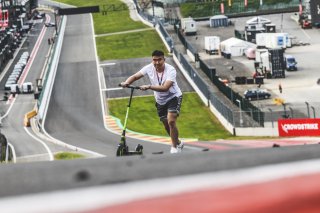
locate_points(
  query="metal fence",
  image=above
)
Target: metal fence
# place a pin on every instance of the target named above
(249, 111)
(205, 8)
(204, 88)
(252, 111)
(166, 35)
(247, 115)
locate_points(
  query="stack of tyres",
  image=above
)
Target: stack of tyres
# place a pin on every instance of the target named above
(241, 79)
(259, 79)
(276, 60)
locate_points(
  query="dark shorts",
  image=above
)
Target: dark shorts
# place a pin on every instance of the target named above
(173, 105)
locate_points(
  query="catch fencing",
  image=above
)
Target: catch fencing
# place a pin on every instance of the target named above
(246, 114)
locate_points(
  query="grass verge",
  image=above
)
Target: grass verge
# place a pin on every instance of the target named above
(67, 156)
(117, 18)
(195, 120)
(128, 45)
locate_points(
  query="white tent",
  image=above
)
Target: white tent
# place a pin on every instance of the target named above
(235, 46)
(258, 21)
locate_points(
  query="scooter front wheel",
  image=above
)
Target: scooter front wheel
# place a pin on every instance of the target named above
(122, 150)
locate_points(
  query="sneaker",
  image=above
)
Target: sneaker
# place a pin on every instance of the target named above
(174, 150)
(180, 146)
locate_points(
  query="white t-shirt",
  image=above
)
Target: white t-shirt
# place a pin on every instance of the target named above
(169, 74)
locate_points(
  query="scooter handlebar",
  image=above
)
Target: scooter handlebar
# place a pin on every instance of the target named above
(130, 86)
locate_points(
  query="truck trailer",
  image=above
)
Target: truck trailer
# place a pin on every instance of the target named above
(212, 44)
(273, 40)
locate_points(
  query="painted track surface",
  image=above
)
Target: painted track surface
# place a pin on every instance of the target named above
(232, 184)
(299, 194)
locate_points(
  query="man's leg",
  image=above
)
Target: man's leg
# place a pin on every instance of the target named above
(168, 114)
(174, 133)
(166, 126)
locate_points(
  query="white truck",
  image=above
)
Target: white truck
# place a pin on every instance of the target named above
(273, 40)
(265, 63)
(212, 44)
(271, 62)
(189, 26)
(259, 54)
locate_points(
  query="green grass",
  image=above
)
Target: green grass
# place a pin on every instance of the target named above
(67, 156)
(129, 45)
(195, 120)
(114, 21)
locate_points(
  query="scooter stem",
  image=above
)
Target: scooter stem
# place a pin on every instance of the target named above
(127, 114)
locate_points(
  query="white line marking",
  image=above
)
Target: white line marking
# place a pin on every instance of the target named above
(51, 158)
(306, 34)
(14, 156)
(111, 89)
(107, 64)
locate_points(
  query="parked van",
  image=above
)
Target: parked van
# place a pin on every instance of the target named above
(290, 63)
(189, 26)
(13, 78)
(16, 72)
(27, 87)
(8, 84)
(15, 89)
(16, 75)
(25, 55)
(17, 69)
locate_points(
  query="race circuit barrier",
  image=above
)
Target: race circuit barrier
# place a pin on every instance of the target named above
(28, 116)
(298, 127)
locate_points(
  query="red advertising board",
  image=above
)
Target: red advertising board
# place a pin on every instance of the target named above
(4, 18)
(299, 127)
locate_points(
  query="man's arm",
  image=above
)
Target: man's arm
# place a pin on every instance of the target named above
(132, 79)
(159, 88)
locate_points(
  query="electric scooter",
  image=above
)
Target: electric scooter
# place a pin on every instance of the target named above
(123, 149)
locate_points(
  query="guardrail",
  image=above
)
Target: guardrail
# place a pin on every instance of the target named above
(50, 71)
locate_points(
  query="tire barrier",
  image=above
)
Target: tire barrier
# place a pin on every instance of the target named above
(28, 116)
(3, 148)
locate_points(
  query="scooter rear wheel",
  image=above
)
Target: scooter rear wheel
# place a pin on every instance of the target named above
(139, 149)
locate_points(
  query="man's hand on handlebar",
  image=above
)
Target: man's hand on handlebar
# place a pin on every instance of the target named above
(123, 84)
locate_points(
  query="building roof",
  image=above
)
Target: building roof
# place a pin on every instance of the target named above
(237, 42)
(258, 20)
(219, 17)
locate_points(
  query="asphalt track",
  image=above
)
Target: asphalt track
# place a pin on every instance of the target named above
(75, 115)
(26, 147)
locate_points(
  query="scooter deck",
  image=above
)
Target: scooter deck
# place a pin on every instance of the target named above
(162, 152)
